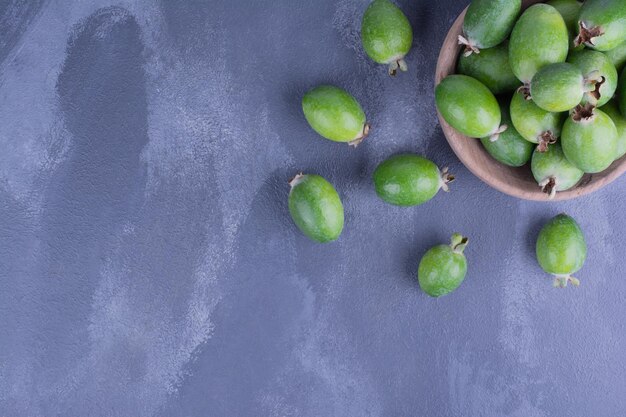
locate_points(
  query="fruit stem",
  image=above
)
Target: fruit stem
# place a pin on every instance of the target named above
(548, 186)
(357, 141)
(469, 47)
(560, 281)
(592, 84)
(587, 34)
(397, 64)
(525, 90)
(546, 139)
(445, 179)
(296, 179)
(458, 243)
(583, 113)
(496, 135)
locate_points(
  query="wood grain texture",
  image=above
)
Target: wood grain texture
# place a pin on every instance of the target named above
(517, 182)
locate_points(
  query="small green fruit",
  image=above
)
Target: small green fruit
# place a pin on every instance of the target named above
(335, 114)
(569, 10)
(490, 67)
(468, 106)
(386, 35)
(561, 249)
(553, 171)
(602, 24)
(599, 69)
(443, 268)
(316, 207)
(617, 56)
(487, 23)
(409, 180)
(613, 112)
(589, 139)
(621, 92)
(533, 123)
(510, 148)
(539, 38)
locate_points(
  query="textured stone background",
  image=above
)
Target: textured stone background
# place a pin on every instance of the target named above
(149, 267)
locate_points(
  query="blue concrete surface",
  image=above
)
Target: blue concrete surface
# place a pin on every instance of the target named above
(149, 267)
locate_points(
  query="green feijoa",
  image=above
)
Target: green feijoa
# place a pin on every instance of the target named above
(600, 72)
(386, 35)
(602, 24)
(539, 38)
(510, 148)
(316, 207)
(490, 67)
(535, 124)
(561, 249)
(558, 87)
(487, 23)
(589, 139)
(553, 171)
(613, 112)
(442, 268)
(468, 106)
(569, 10)
(617, 56)
(621, 91)
(409, 180)
(335, 114)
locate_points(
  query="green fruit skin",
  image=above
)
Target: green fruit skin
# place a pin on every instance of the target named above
(385, 32)
(316, 208)
(589, 61)
(468, 106)
(488, 22)
(539, 38)
(407, 180)
(531, 121)
(511, 148)
(561, 248)
(617, 56)
(554, 164)
(610, 15)
(613, 112)
(569, 10)
(490, 67)
(557, 87)
(441, 270)
(333, 113)
(591, 145)
(621, 91)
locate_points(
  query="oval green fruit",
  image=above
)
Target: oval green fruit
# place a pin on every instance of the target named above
(561, 249)
(569, 10)
(386, 35)
(442, 269)
(535, 124)
(617, 56)
(316, 207)
(613, 112)
(558, 87)
(510, 148)
(335, 114)
(409, 180)
(600, 70)
(490, 67)
(602, 24)
(487, 23)
(553, 171)
(468, 106)
(539, 38)
(589, 139)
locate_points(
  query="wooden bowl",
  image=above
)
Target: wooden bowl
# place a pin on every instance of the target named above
(517, 182)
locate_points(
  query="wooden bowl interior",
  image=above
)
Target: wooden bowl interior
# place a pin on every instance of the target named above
(517, 182)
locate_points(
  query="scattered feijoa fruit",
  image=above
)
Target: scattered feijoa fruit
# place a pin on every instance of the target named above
(600, 74)
(443, 268)
(490, 67)
(335, 114)
(487, 23)
(602, 24)
(562, 86)
(386, 35)
(316, 207)
(409, 180)
(561, 249)
(535, 124)
(553, 171)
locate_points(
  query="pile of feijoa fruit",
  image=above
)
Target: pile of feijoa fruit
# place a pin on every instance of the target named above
(544, 58)
(542, 86)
